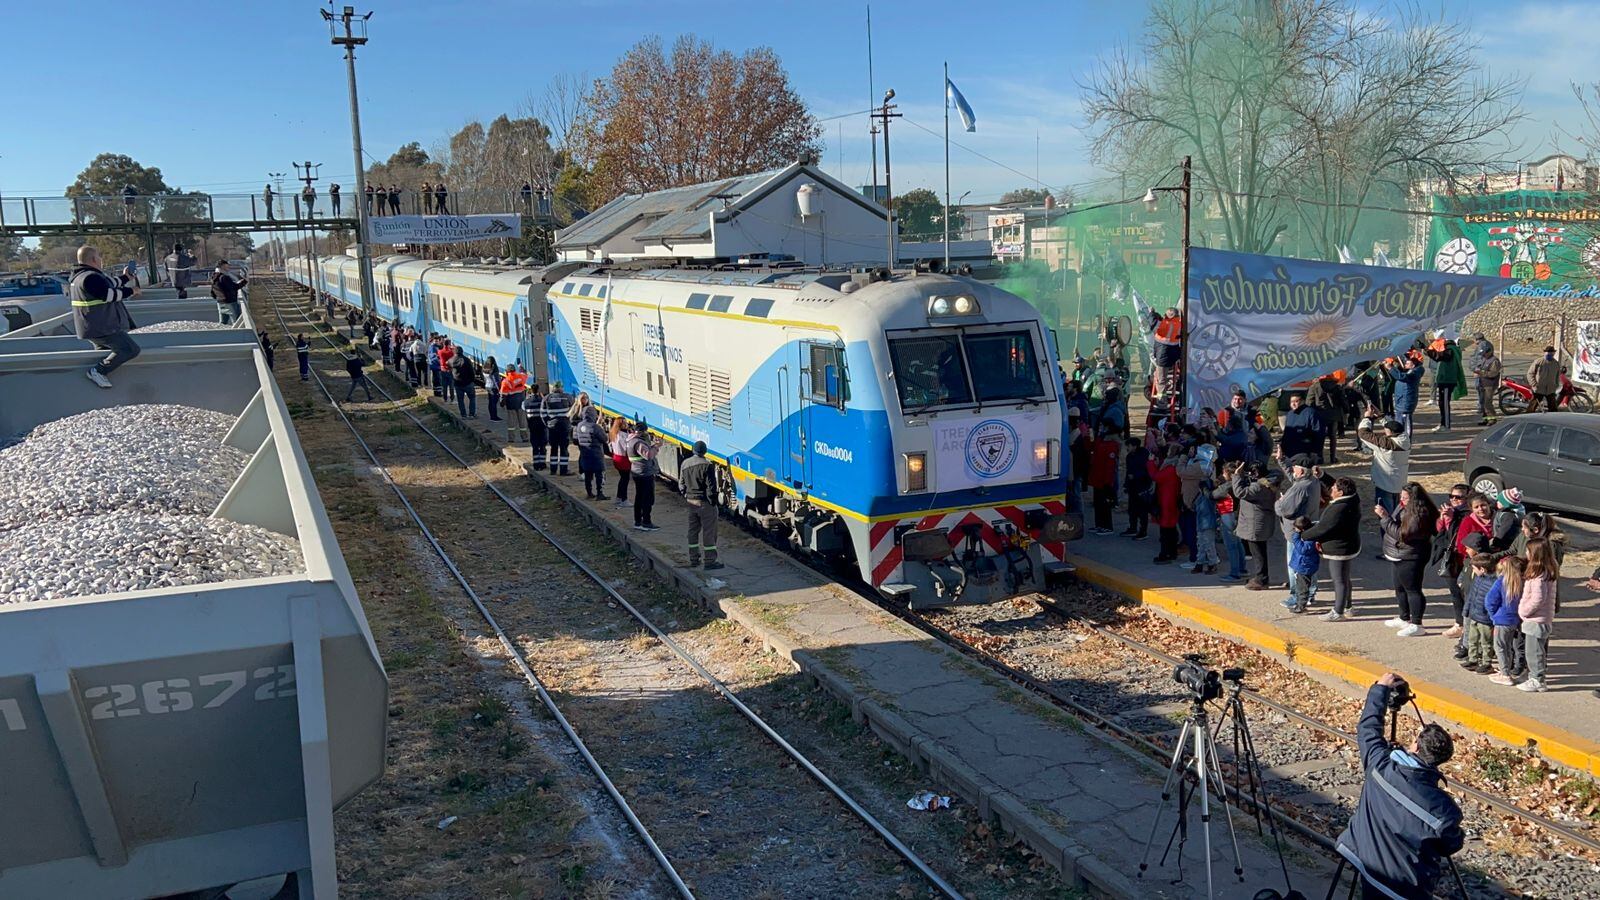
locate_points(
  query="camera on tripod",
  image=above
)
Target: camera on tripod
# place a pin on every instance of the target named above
(1206, 684)
(1400, 694)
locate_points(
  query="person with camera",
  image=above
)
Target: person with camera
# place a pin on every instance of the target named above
(1405, 824)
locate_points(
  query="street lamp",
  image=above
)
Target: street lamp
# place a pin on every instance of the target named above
(1150, 202)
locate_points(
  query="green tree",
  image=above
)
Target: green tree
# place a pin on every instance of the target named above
(99, 191)
(1027, 196)
(919, 214)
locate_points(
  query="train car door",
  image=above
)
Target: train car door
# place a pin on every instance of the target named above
(805, 381)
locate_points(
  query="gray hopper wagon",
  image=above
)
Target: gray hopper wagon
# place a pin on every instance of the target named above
(147, 310)
(161, 741)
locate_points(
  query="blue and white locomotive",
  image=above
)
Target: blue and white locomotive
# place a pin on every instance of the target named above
(909, 425)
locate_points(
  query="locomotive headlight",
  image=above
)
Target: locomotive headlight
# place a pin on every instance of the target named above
(1046, 457)
(916, 472)
(956, 305)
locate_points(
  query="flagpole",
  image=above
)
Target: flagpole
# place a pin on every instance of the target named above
(946, 87)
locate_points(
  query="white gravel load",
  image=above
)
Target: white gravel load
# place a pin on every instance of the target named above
(181, 325)
(152, 458)
(131, 551)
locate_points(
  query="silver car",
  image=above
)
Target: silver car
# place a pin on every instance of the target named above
(1552, 457)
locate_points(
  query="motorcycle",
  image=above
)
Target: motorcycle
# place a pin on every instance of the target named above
(1515, 396)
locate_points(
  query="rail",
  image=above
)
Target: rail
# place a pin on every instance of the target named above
(800, 759)
(24, 213)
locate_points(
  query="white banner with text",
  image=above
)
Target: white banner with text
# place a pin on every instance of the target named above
(442, 229)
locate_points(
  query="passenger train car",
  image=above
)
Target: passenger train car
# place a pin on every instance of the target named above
(909, 425)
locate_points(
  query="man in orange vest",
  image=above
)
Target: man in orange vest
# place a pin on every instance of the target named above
(512, 387)
(1168, 332)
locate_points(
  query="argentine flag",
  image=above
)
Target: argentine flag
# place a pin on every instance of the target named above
(953, 97)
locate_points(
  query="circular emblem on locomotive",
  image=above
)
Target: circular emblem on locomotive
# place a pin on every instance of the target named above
(991, 449)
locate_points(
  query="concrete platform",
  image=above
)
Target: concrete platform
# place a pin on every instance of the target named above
(1082, 801)
(1563, 723)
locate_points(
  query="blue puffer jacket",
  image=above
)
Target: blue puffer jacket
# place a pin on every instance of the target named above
(1405, 388)
(1477, 598)
(1404, 823)
(1502, 610)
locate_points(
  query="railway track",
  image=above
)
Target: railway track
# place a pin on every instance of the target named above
(1055, 647)
(1311, 771)
(458, 552)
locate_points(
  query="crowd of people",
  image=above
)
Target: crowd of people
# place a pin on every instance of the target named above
(1222, 488)
(551, 421)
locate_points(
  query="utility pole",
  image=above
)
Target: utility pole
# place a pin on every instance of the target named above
(883, 115)
(355, 34)
(277, 179)
(1185, 188)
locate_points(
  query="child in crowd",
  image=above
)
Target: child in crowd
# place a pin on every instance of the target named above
(1537, 609)
(1206, 523)
(1304, 561)
(1136, 481)
(1480, 625)
(1228, 521)
(1501, 604)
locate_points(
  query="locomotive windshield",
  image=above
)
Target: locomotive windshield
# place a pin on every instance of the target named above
(930, 371)
(933, 369)
(1003, 366)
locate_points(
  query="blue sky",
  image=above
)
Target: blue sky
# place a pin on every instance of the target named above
(217, 95)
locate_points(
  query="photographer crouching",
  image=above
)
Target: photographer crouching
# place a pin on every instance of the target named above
(1405, 825)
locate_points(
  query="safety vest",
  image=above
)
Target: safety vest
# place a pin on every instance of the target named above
(1169, 331)
(513, 383)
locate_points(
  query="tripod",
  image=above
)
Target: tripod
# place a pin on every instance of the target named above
(1194, 766)
(1248, 768)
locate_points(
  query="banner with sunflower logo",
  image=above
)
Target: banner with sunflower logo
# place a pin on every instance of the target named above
(1261, 323)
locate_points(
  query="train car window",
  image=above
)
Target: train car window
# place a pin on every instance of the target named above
(698, 301)
(826, 375)
(584, 289)
(1003, 366)
(566, 288)
(758, 307)
(601, 293)
(929, 371)
(721, 303)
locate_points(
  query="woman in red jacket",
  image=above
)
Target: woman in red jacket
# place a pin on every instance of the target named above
(1169, 500)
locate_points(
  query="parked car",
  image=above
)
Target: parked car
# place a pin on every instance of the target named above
(1552, 457)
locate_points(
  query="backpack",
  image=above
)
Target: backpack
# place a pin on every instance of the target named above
(1442, 552)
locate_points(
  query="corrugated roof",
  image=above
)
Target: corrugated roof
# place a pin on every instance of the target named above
(681, 213)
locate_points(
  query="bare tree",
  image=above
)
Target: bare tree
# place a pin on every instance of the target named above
(1279, 99)
(701, 114)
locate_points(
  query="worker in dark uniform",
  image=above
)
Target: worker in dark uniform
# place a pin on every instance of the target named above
(355, 364)
(98, 315)
(266, 195)
(556, 410)
(697, 478)
(302, 352)
(441, 199)
(225, 290)
(1405, 823)
(333, 197)
(527, 196)
(180, 268)
(130, 196)
(394, 198)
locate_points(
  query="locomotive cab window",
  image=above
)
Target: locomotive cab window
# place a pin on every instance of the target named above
(929, 371)
(1004, 366)
(825, 372)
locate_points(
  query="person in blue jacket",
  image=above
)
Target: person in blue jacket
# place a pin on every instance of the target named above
(1405, 823)
(1407, 383)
